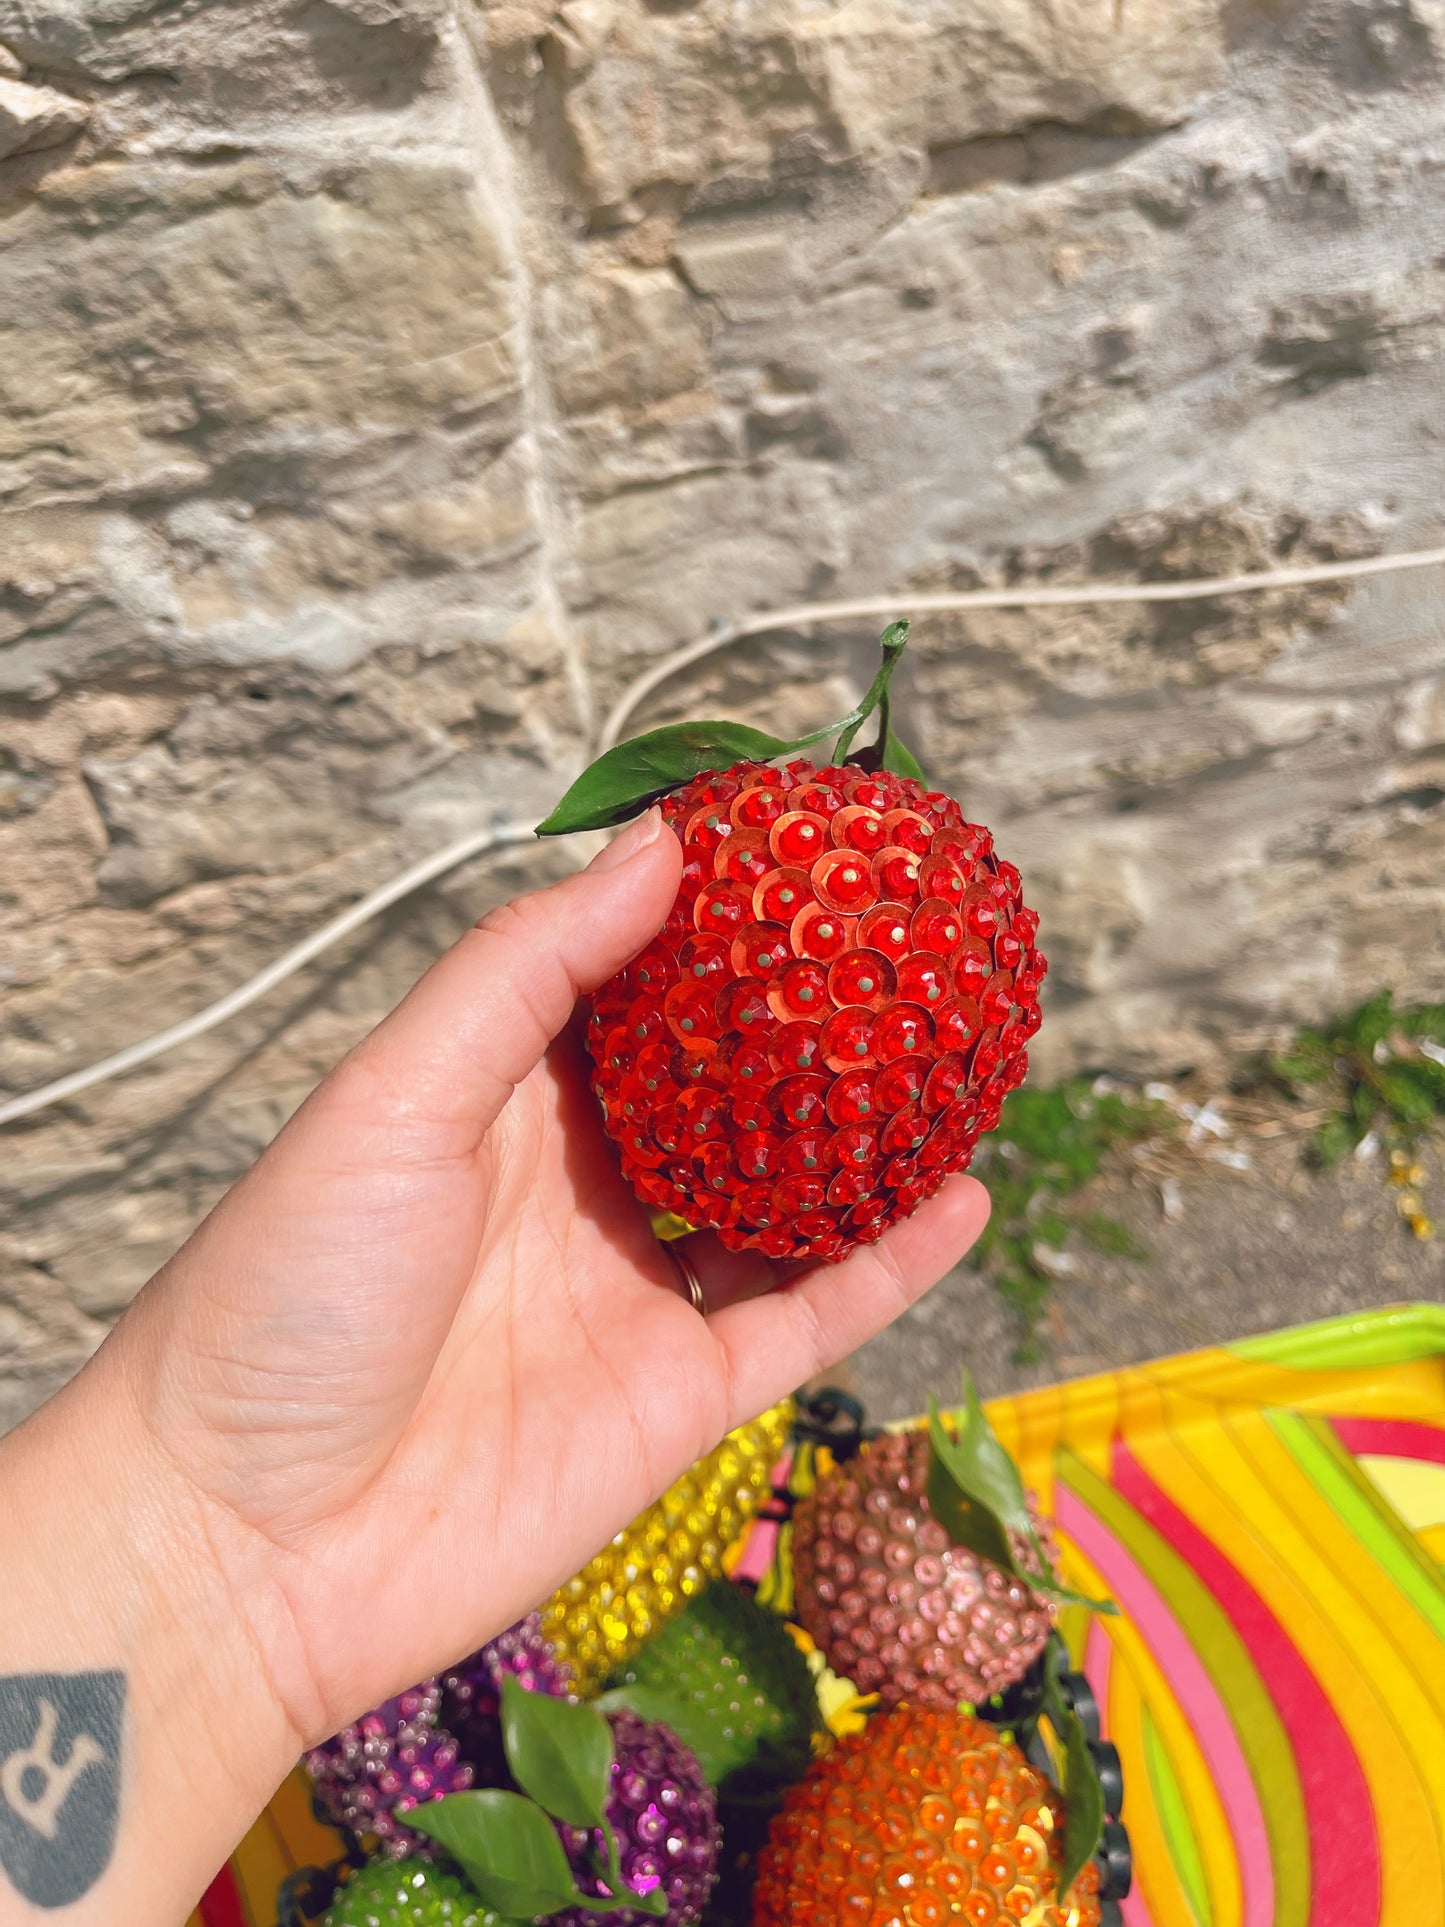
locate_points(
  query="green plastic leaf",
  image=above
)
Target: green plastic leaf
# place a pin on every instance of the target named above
(560, 1751)
(624, 780)
(977, 1494)
(506, 1846)
(898, 757)
(1083, 1791)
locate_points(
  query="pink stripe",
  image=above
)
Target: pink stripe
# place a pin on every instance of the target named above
(1203, 1708)
(1391, 1438)
(1345, 1872)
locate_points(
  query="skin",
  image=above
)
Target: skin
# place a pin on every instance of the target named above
(411, 1372)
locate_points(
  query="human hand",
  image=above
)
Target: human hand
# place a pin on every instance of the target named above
(427, 1356)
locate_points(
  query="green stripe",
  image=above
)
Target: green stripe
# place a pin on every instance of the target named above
(1398, 1335)
(1169, 1804)
(1349, 1494)
(1225, 1657)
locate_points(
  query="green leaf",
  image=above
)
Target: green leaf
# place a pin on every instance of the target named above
(560, 1751)
(976, 1492)
(898, 757)
(624, 780)
(1083, 1793)
(506, 1846)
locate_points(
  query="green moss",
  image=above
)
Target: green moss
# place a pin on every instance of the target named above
(1376, 1069)
(1048, 1146)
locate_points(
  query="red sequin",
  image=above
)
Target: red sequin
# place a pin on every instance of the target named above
(780, 895)
(820, 934)
(924, 978)
(842, 880)
(798, 837)
(864, 977)
(848, 1039)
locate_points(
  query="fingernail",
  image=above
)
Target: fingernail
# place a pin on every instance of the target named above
(630, 842)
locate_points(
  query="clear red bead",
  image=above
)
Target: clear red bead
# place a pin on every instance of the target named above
(800, 992)
(715, 1166)
(655, 971)
(957, 1024)
(722, 909)
(706, 828)
(895, 874)
(924, 978)
(820, 934)
(806, 1151)
(757, 1154)
(901, 1082)
(909, 830)
(936, 926)
(859, 828)
(743, 1006)
(885, 928)
(997, 999)
(871, 791)
(901, 1031)
(758, 805)
(645, 1021)
(747, 1064)
(751, 1111)
(905, 1132)
(939, 876)
(691, 1011)
(701, 958)
(744, 857)
(863, 977)
(980, 912)
(700, 1115)
(801, 1101)
(850, 1098)
(945, 1081)
(798, 837)
(793, 1196)
(797, 1047)
(780, 895)
(855, 1145)
(972, 966)
(849, 1187)
(848, 1040)
(842, 880)
(653, 1069)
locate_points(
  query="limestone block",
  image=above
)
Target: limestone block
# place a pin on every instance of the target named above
(33, 117)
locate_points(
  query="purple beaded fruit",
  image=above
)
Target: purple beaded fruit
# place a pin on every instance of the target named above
(471, 1692)
(664, 1815)
(892, 1603)
(440, 1737)
(386, 1763)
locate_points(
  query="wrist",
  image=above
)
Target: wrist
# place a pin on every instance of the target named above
(123, 1570)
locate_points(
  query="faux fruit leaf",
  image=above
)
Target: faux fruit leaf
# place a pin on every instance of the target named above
(976, 1493)
(506, 1846)
(624, 780)
(560, 1752)
(1083, 1789)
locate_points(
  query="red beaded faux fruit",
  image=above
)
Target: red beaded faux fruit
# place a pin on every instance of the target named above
(839, 1000)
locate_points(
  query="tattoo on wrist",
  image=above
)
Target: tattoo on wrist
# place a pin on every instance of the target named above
(60, 1736)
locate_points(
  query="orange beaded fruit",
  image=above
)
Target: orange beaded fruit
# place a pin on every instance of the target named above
(921, 1820)
(831, 1015)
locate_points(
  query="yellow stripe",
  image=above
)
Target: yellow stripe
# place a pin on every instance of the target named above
(1154, 1867)
(1412, 1487)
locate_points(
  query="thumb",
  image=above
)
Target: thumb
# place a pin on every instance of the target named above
(481, 1018)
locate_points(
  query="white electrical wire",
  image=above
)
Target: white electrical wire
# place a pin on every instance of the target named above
(1032, 596)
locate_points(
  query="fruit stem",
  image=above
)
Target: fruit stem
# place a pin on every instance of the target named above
(892, 642)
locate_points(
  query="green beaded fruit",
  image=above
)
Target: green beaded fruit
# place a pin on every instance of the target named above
(408, 1893)
(746, 1689)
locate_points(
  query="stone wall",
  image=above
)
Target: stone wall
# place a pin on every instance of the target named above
(383, 383)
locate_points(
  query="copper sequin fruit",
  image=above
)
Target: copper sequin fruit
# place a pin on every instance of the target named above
(666, 1556)
(892, 1603)
(831, 1016)
(664, 1815)
(921, 1820)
